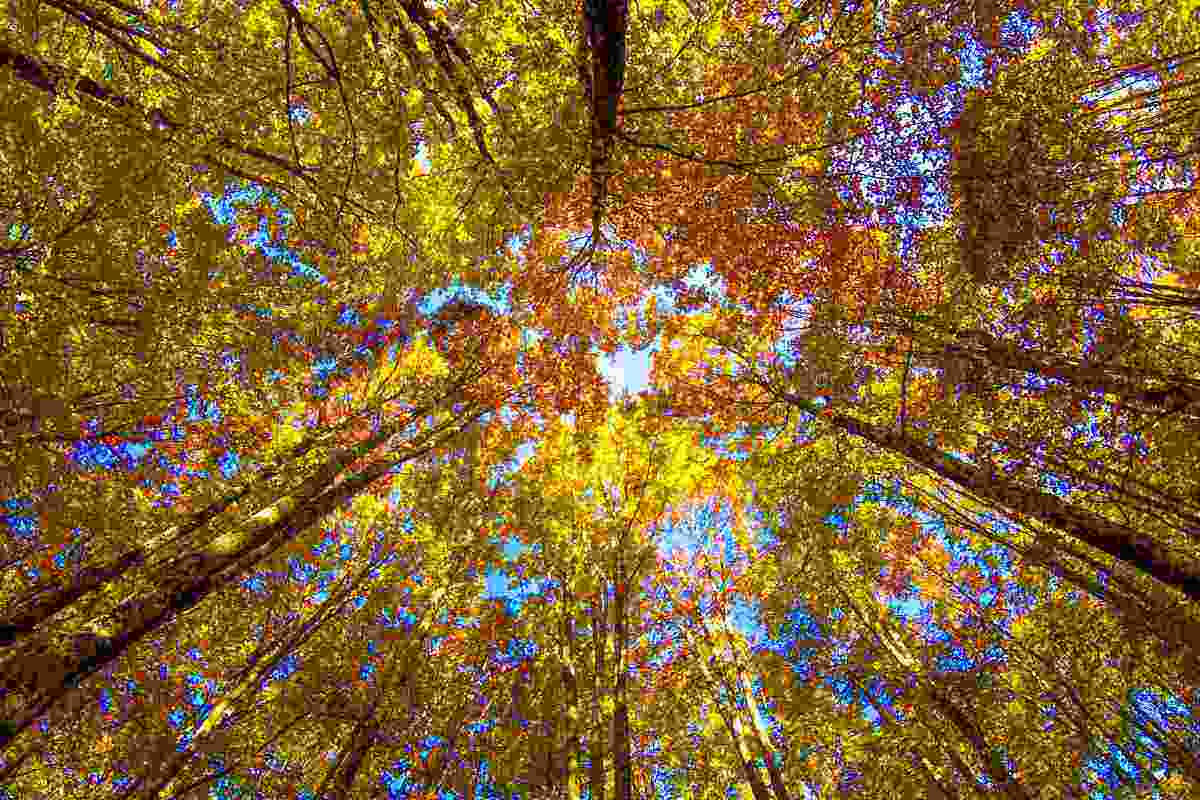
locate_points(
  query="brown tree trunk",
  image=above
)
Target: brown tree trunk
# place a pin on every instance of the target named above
(259, 664)
(49, 597)
(340, 780)
(761, 734)
(595, 741)
(1175, 394)
(622, 764)
(42, 670)
(997, 772)
(1117, 540)
(938, 788)
(706, 650)
(570, 681)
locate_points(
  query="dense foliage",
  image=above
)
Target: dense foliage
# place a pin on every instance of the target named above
(314, 484)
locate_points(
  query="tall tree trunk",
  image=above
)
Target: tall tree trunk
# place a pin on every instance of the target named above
(759, 725)
(996, 771)
(41, 670)
(622, 763)
(743, 687)
(734, 725)
(570, 680)
(604, 25)
(1119, 541)
(596, 739)
(1164, 617)
(51, 596)
(340, 780)
(938, 789)
(260, 663)
(1175, 393)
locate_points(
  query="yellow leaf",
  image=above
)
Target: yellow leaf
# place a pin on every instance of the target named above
(368, 507)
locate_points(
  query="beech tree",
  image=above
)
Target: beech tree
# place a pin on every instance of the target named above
(314, 483)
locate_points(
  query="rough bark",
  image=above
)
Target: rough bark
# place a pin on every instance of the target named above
(51, 596)
(41, 670)
(1119, 541)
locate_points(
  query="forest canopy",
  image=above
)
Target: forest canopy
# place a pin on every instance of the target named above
(316, 483)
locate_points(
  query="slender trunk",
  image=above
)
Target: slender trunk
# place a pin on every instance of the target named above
(939, 789)
(52, 78)
(261, 662)
(49, 597)
(340, 779)
(733, 723)
(1138, 609)
(739, 655)
(572, 779)
(996, 770)
(1119, 541)
(47, 669)
(595, 741)
(763, 737)
(622, 764)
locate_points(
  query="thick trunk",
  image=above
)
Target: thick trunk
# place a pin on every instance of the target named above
(1119, 541)
(46, 599)
(1139, 609)
(42, 671)
(604, 23)
(1174, 394)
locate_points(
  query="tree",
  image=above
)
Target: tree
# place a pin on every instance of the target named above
(312, 482)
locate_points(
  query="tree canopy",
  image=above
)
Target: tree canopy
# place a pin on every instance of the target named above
(314, 484)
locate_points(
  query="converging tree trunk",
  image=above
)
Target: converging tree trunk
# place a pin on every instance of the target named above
(1117, 540)
(41, 670)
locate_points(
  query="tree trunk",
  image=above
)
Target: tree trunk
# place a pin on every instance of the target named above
(1165, 618)
(996, 771)
(261, 662)
(42, 671)
(341, 777)
(49, 597)
(604, 23)
(622, 764)
(1176, 394)
(763, 737)
(595, 741)
(1117, 540)
(706, 651)
(938, 789)
(570, 681)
